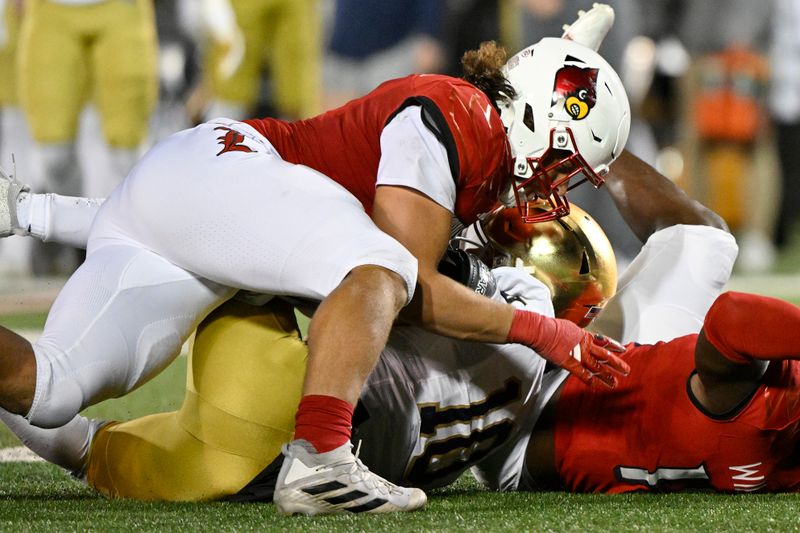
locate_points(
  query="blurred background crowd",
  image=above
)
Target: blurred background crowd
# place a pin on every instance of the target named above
(86, 86)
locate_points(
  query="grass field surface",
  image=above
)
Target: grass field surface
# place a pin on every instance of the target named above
(35, 496)
(38, 497)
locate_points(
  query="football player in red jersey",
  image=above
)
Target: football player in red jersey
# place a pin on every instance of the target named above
(433, 407)
(716, 410)
(714, 405)
(351, 208)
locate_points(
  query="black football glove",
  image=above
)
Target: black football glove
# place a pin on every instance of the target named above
(468, 270)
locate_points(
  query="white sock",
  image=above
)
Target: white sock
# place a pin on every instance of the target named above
(62, 219)
(66, 446)
(32, 213)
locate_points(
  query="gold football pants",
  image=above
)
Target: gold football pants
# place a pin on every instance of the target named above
(8, 50)
(244, 382)
(285, 37)
(100, 52)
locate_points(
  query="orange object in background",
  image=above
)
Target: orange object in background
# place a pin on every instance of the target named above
(728, 104)
(726, 166)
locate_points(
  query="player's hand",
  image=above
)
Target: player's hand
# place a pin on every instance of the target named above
(588, 356)
(593, 361)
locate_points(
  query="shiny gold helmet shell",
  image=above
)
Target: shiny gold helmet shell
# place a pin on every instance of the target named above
(571, 256)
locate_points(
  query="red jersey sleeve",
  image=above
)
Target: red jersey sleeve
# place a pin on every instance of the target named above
(470, 128)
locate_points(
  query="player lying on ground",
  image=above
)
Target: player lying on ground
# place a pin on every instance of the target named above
(85, 439)
(715, 410)
(352, 209)
(433, 406)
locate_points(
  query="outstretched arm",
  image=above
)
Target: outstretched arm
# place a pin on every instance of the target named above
(446, 307)
(649, 201)
(741, 334)
(631, 178)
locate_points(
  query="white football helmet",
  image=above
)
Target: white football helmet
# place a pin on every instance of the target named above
(569, 120)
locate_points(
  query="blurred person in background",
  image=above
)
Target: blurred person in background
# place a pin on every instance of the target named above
(10, 20)
(467, 23)
(725, 133)
(372, 42)
(260, 58)
(179, 66)
(14, 135)
(784, 100)
(72, 52)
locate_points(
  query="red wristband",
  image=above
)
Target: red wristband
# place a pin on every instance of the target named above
(531, 329)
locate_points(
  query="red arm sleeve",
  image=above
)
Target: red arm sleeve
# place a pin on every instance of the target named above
(743, 327)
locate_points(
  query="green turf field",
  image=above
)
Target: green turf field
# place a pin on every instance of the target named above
(40, 497)
(164, 393)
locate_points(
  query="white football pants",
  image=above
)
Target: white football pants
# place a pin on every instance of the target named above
(192, 224)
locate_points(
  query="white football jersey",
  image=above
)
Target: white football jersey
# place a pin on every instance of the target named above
(434, 406)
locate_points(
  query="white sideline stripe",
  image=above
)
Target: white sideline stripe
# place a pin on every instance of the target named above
(20, 454)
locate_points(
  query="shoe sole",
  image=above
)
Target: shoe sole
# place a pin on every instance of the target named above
(295, 502)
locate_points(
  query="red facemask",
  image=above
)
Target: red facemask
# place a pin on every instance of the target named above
(551, 178)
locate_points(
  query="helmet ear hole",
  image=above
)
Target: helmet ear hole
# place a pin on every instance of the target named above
(584, 264)
(527, 118)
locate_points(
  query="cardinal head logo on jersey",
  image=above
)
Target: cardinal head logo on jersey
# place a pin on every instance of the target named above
(576, 87)
(231, 141)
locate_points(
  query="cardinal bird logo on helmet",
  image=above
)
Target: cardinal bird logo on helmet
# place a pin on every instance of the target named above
(576, 86)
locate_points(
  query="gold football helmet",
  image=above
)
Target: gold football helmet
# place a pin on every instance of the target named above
(571, 256)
